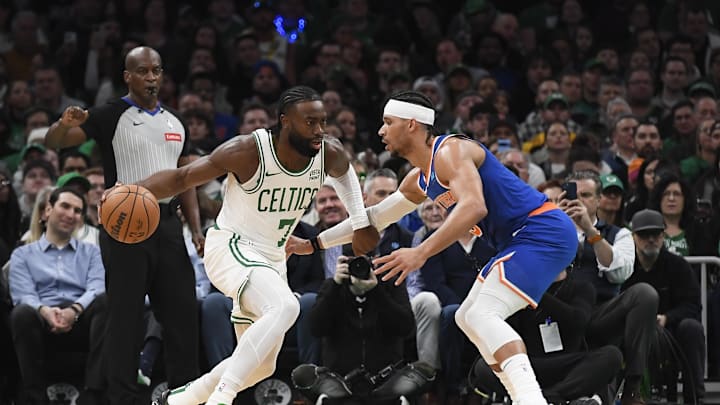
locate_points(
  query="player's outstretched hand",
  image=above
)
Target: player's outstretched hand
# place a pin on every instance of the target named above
(365, 240)
(298, 246)
(401, 261)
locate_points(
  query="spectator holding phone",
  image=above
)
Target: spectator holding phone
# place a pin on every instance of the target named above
(606, 258)
(612, 247)
(504, 132)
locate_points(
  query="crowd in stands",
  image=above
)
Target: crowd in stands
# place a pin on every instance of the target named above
(619, 98)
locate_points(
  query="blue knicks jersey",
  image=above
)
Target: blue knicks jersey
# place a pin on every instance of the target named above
(508, 199)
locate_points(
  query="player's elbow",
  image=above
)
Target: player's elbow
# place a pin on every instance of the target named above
(477, 210)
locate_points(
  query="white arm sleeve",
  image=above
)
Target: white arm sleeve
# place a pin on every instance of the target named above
(386, 212)
(347, 187)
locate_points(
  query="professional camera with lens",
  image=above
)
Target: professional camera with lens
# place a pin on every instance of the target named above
(360, 267)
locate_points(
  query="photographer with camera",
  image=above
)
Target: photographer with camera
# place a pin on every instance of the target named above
(363, 324)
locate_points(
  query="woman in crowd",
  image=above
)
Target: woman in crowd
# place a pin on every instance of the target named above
(650, 168)
(685, 234)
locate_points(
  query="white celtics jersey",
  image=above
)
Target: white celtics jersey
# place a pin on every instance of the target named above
(265, 209)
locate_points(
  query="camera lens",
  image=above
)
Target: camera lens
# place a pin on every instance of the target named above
(359, 267)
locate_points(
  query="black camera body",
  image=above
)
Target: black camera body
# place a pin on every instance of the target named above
(360, 267)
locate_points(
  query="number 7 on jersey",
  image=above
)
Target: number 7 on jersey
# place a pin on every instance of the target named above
(285, 223)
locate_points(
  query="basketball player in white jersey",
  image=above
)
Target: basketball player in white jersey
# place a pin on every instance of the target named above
(273, 177)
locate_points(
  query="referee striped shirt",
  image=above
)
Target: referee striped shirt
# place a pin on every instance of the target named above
(136, 143)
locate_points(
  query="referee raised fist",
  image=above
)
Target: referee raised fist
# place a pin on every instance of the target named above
(73, 116)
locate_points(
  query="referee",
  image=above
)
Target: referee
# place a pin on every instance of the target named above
(138, 137)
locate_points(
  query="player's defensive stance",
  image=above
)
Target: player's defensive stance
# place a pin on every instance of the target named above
(535, 240)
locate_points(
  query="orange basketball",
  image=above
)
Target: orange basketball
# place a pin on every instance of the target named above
(130, 213)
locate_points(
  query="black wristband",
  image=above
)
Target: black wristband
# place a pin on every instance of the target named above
(315, 244)
(77, 312)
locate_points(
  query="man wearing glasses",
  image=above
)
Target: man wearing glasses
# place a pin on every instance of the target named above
(679, 298)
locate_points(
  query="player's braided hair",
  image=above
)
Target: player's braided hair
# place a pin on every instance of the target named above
(294, 95)
(415, 97)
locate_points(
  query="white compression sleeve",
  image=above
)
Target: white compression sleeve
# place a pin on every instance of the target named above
(348, 189)
(390, 210)
(386, 212)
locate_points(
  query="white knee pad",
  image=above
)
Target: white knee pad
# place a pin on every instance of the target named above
(487, 317)
(460, 316)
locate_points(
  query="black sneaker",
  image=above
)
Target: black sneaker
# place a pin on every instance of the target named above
(163, 400)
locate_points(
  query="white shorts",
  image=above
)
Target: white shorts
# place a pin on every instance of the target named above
(230, 260)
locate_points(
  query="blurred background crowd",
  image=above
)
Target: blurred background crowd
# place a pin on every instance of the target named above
(627, 89)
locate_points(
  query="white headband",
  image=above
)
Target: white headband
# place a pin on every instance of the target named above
(405, 110)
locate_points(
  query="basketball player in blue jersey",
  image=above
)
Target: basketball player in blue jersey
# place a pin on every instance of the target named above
(272, 178)
(534, 239)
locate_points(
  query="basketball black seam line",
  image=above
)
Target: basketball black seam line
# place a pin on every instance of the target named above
(127, 195)
(147, 217)
(132, 210)
(155, 204)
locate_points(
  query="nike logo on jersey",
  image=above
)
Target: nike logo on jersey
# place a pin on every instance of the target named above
(268, 174)
(137, 123)
(518, 231)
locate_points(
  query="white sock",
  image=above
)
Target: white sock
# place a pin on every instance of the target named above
(198, 391)
(225, 392)
(506, 383)
(520, 374)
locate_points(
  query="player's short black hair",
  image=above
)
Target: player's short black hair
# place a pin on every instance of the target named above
(294, 95)
(415, 97)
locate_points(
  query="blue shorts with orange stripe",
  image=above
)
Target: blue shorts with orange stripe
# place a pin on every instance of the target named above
(537, 253)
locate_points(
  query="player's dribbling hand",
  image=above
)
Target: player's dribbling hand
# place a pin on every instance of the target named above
(297, 246)
(401, 261)
(198, 240)
(102, 200)
(365, 240)
(73, 116)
